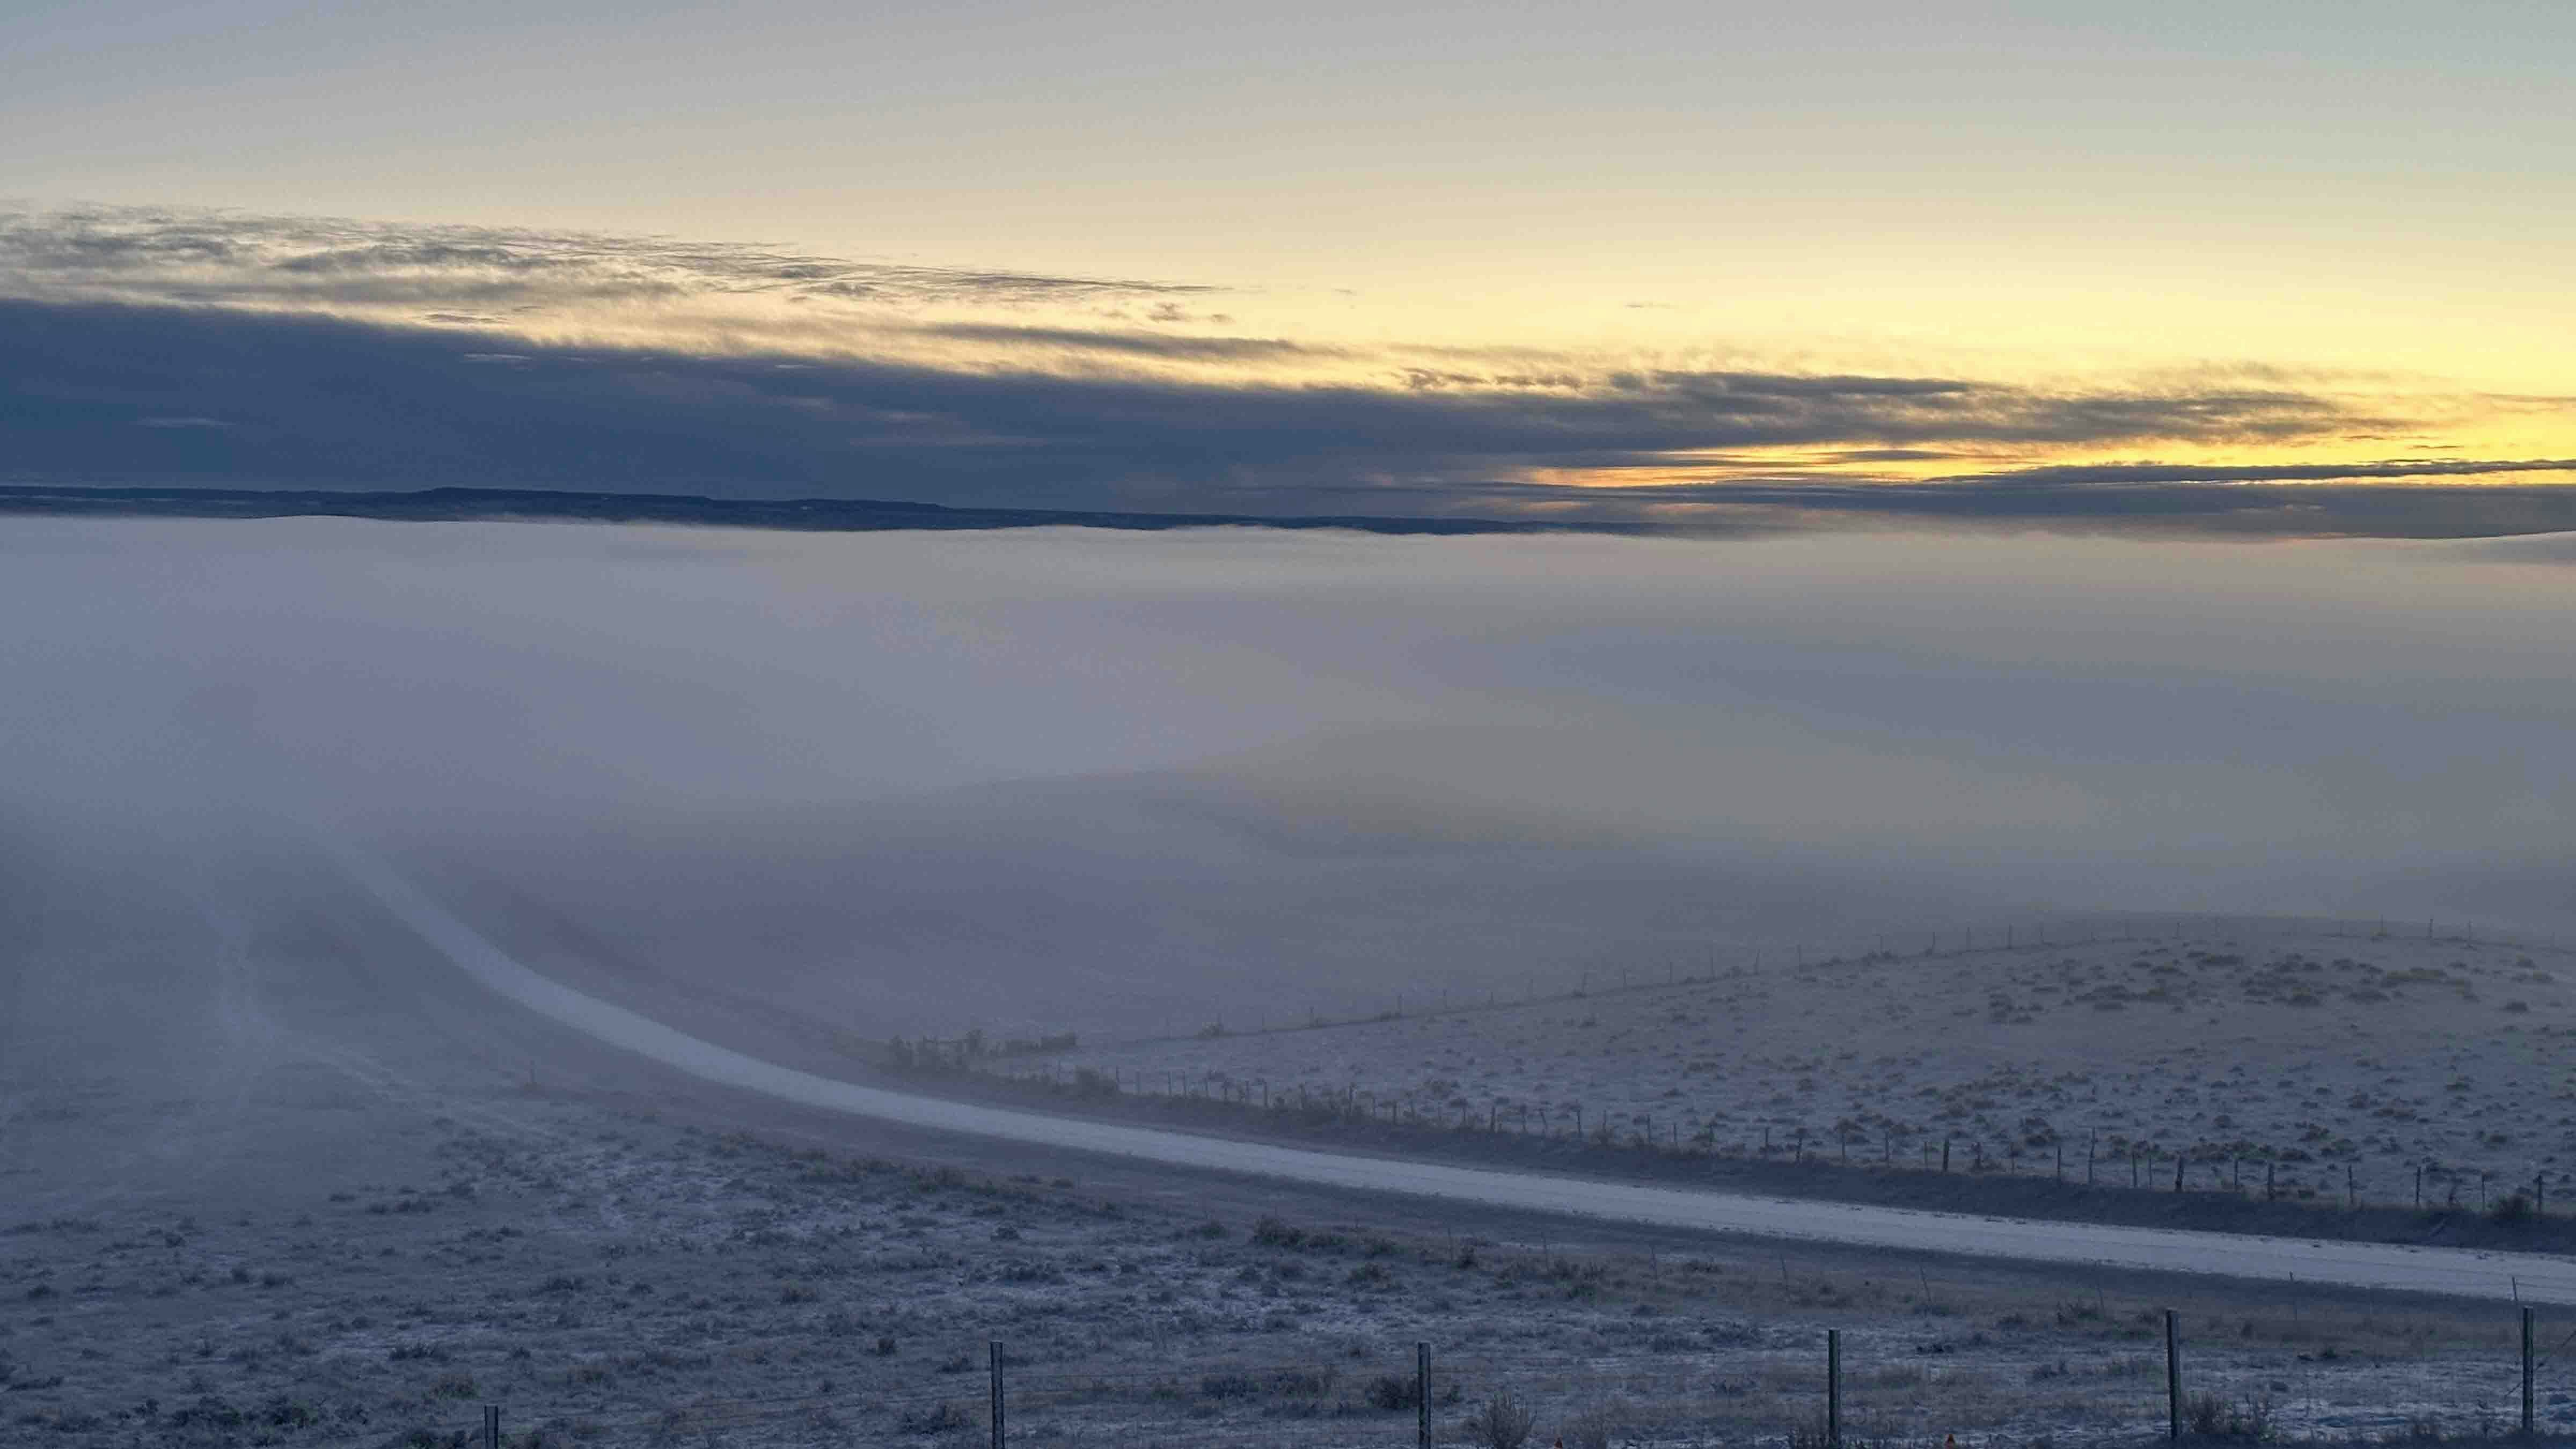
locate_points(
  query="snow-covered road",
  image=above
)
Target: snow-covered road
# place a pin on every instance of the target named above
(2531, 1278)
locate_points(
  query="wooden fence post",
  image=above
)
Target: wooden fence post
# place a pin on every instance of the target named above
(1834, 1388)
(2173, 1377)
(995, 1349)
(2527, 1423)
(1422, 1395)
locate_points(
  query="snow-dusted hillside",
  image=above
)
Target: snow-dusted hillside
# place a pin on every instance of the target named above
(2301, 1054)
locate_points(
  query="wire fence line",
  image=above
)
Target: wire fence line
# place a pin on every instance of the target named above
(1797, 1387)
(1868, 1138)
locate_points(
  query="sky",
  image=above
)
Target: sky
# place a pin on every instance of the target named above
(1651, 262)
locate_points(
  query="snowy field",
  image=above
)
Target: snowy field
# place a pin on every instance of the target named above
(2310, 1063)
(286, 1176)
(611, 1280)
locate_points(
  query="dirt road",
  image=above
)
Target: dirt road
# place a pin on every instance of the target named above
(2455, 1272)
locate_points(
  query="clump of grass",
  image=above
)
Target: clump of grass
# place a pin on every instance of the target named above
(2211, 1417)
(940, 1418)
(1270, 1232)
(1591, 1429)
(1503, 1422)
(1390, 1392)
(1229, 1386)
(453, 1386)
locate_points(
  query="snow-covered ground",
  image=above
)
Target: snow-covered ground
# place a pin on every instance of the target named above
(284, 1175)
(2440, 1270)
(2340, 1062)
(616, 1281)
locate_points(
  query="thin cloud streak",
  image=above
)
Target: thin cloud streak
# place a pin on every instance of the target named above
(2063, 475)
(147, 254)
(1156, 345)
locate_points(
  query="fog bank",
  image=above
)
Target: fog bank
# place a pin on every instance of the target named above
(1069, 777)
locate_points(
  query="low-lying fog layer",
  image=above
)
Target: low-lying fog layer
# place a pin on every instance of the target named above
(1066, 779)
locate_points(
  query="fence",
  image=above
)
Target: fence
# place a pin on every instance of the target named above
(2278, 1171)
(1422, 1398)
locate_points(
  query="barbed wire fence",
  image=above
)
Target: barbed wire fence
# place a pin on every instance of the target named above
(1799, 1388)
(2094, 1158)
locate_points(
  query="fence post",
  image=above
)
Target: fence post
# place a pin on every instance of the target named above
(1422, 1395)
(1833, 1388)
(2526, 1373)
(492, 1412)
(995, 1348)
(2173, 1378)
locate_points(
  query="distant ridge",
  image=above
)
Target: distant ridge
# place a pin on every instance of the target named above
(811, 515)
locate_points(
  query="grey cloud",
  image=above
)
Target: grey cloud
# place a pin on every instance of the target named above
(1133, 344)
(1742, 387)
(2189, 506)
(422, 256)
(145, 254)
(2077, 475)
(1424, 379)
(340, 403)
(1954, 410)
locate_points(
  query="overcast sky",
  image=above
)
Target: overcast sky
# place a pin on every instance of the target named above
(1229, 258)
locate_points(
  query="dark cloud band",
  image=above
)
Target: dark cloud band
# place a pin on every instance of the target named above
(288, 399)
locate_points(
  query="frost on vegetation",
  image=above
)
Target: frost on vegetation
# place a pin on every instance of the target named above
(2319, 1065)
(754, 1296)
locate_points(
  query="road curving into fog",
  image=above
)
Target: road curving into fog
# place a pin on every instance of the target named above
(2459, 1272)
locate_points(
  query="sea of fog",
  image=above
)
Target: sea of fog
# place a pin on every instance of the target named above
(1069, 779)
